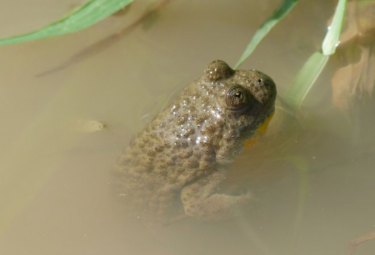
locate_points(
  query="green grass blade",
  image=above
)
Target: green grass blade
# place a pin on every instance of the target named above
(306, 78)
(82, 17)
(331, 40)
(264, 29)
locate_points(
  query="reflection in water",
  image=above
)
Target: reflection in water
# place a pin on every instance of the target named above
(360, 240)
(311, 175)
(108, 41)
(356, 79)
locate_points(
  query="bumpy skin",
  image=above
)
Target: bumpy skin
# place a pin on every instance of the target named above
(178, 160)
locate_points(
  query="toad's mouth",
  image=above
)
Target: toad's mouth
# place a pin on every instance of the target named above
(260, 131)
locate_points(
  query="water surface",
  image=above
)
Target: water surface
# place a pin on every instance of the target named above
(312, 177)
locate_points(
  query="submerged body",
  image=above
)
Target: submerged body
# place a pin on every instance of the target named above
(173, 168)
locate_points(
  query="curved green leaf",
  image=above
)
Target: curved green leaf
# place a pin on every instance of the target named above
(82, 17)
(309, 73)
(331, 40)
(280, 13)
(305, 79)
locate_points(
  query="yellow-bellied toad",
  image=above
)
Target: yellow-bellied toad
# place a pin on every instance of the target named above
(178, 160)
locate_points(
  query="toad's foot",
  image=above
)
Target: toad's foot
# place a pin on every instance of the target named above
(200, 199)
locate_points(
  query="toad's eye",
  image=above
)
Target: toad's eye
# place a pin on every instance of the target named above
(238, 98)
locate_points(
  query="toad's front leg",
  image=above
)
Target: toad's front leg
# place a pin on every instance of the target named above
(200, 199)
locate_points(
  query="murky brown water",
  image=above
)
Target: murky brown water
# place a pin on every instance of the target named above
(313, 179)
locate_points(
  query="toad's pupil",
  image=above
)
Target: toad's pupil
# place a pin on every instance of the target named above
(238, 94)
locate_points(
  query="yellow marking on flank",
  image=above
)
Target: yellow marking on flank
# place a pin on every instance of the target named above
(260, 131)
